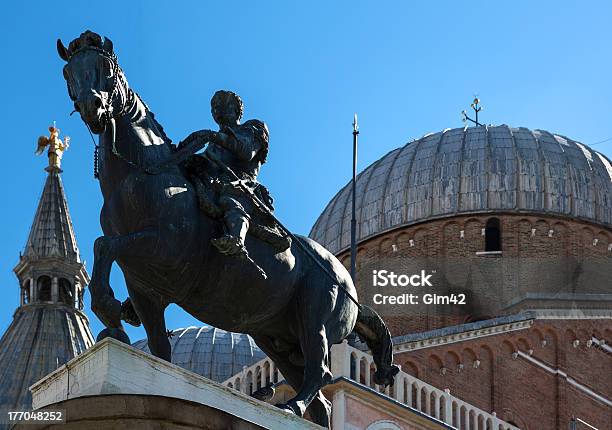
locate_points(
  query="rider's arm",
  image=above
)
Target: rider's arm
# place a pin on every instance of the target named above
(196, 135)
(243, 148)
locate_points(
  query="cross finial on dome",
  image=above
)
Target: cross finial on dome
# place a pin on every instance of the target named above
(477, 108)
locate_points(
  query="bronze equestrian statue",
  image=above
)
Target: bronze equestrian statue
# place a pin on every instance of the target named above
(160, 238)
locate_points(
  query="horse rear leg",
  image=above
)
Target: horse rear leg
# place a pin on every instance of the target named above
(320, 408)
(316, 369)
(150, 310)
(314, 295)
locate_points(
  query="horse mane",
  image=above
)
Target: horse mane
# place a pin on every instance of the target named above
(156, 123)
(164, 136)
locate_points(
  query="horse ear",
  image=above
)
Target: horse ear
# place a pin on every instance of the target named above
(61, 50)
(108, 45)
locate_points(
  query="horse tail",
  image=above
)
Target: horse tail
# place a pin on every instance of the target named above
(372, 329)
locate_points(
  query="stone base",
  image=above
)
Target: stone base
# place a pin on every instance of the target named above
(139, 412)
(113, 385)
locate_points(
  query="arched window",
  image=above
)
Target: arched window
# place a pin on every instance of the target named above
(493, 235)
(65, 291)
(25, 292)
(266, 368)
(383, 425)
(44, 289)
(80, 295)
(258, 376)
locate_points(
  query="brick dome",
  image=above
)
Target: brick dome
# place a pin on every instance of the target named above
(472, 170)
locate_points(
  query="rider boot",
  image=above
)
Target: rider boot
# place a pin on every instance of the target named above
(236, 227)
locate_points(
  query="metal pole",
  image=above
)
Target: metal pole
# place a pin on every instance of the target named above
(353, 219)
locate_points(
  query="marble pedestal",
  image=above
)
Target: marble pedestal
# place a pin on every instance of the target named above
(113, 385)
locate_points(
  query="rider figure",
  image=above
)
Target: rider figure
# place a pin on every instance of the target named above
(243, 148)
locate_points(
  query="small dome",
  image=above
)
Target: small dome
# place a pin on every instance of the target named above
(211, 352)
(472, 170)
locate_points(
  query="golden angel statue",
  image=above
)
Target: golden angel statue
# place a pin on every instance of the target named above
(56, 147)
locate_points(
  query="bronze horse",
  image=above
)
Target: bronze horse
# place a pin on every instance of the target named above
(154, 230)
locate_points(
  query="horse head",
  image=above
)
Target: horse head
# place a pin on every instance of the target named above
(96, 83)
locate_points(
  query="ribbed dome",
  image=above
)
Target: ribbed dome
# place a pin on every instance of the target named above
(211, 352)
(39, 340)
(472, 170)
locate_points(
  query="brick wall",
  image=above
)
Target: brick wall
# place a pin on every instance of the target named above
(541, 257)
(516, 389)
(544, 261)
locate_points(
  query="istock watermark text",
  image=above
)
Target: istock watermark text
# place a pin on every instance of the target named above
(383, 278)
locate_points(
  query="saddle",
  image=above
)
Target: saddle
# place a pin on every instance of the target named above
(262, 225)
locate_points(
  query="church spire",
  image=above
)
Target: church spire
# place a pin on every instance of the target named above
(49, 327)
(52, 233)
(52, 236)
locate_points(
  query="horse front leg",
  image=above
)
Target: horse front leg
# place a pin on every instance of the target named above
(108, 249)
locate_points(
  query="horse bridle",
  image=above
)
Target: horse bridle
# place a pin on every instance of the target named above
(109, 115)
(116, 70)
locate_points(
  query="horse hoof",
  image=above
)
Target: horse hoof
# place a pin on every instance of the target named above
(115, 333)
(285, 407)
(386, 377)
(264, 393)
(128, 313)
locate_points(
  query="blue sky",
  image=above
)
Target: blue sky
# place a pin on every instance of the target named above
(407, 68)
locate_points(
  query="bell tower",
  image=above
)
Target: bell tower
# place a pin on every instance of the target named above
(50, 270)
(49, 327)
